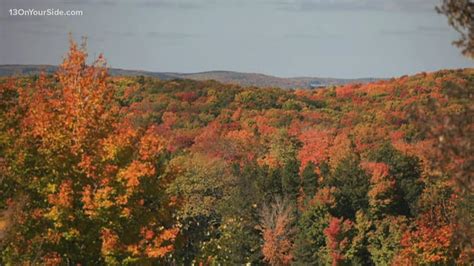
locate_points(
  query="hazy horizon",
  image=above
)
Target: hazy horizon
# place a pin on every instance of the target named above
(287, 38)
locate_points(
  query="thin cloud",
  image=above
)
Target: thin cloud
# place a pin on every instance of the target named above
(197, 4)
(418, 31)
(120, 33)
(42, 32)
(432, 29)
(21, 19)
(171, 35)
(91, 2)
(386, 5)
(309, 36)
(179, 4)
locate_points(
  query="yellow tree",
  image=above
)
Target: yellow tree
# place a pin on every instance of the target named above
(86, 179)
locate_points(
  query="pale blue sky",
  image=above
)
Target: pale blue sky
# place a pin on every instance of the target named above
(325, 38)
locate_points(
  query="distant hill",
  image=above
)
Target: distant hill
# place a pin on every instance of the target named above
(230, 77)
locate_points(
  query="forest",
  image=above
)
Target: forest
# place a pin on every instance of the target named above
(101, 170)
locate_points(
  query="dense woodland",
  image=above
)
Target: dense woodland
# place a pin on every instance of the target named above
(138, 171)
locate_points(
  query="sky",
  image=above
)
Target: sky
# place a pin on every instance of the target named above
(287, 38)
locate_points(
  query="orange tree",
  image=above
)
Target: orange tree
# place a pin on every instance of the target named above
(86, 179)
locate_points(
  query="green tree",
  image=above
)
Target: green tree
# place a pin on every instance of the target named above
(269, 183)
(200, 188)
(239, 240)
(310, 240)
(309, 180)
(384, 242)
(290, 181)
(406, 171)
(352, 184)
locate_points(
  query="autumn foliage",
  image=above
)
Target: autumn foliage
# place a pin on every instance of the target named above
(83, 169)
(277, 233)
(134, 170)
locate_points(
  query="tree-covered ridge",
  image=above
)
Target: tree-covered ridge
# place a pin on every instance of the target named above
(101, 170)
(226, 77)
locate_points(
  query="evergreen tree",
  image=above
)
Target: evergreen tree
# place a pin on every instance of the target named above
(290, 181)
(406, 171)
(309, 180)
(352, 184)
(310, 241)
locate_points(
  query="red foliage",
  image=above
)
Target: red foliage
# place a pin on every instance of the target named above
(169, 119)
(187, 96)
(337, 239)
(64, 197)
(315, 146)
(428, 243)
(346, 91)
(264, 126)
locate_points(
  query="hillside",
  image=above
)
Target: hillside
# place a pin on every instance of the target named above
(229, 77)
(261, 80)
(134, 170)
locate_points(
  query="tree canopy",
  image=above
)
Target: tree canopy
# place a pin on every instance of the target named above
(135, 170)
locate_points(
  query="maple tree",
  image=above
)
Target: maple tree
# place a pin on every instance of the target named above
(85, 172)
